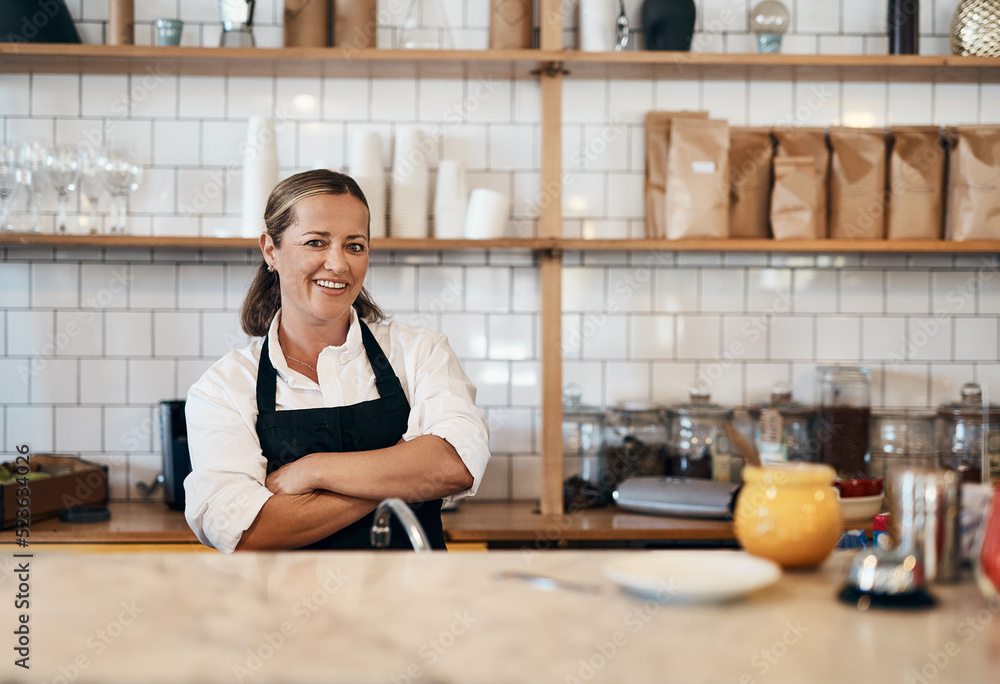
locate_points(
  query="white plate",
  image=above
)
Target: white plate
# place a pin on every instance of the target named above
(692, 576)
(860, 508)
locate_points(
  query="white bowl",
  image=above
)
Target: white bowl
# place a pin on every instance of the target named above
(860, 508)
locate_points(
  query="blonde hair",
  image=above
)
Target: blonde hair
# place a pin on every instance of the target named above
(263, 299)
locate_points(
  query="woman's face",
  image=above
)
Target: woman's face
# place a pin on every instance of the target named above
(322, 261)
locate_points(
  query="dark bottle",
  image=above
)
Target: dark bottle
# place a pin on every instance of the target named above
(904, 27)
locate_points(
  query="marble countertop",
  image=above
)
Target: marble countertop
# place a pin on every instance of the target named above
(435, 617)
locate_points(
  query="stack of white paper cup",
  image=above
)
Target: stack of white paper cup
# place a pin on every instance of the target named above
(451, 199)
(487, 214)
(260, 173)
(598, 25)
(365, 166)
(410, 185)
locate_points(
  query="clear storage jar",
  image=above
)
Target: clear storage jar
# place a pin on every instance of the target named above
(635, 442)
(961, 428)
(783, 429)
(699, 446)
(582, 437)
(843, 424)
(901, 437)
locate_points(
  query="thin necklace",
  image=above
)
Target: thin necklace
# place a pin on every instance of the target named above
(290, 358)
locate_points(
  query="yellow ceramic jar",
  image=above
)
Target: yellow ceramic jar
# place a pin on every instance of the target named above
(789, 513)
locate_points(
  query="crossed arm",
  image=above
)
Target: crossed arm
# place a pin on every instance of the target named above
(324, 492)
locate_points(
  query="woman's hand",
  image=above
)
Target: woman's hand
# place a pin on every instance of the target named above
(292, 478)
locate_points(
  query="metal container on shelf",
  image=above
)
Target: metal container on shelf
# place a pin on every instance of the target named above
(844, 419)
(783, 429)
(582, 437)
(901, 437)
(962, 429)
(635, 442)
(699, 446)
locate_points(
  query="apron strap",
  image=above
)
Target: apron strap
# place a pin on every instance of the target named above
(386, 382)
(267, 381)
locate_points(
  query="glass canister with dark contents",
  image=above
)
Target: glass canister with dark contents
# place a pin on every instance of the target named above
(844, 417)
(583, 435)
(699, 446)
(635, 442)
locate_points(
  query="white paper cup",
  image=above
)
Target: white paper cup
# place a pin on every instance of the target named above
(260, 173)
(598, 25)
(486, 217)
(365, 155)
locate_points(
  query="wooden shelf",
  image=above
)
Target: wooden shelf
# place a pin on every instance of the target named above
(269, 62)
(780, 67)
(35, 239)
(501, 64)
(535, 244)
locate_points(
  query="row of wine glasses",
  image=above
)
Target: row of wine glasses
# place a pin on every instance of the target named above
(33, 165)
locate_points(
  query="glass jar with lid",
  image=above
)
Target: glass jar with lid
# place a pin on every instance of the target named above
(582, 436)
(844, 419)
(962, 429)
(783, 429)
(635, 442)
(699, 446)
(901, 437)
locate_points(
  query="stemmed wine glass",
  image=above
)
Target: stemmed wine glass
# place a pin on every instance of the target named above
(121, 172)
(91, 184)
(10, 178)
(62, 169)
(33, 177)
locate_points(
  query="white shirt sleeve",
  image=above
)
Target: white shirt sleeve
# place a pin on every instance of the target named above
(225, 490)
(443, 403)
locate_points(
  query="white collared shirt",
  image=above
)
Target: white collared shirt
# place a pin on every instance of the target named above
(225, 490)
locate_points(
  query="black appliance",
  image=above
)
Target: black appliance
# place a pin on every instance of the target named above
(176, 458)
(36, 21)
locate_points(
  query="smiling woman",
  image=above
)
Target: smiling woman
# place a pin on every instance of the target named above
(295, 439)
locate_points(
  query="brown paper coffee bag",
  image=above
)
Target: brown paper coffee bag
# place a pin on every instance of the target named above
(916, 183)
(354, 24)
(857, 183)
(306, 23)
(794, 198)
(657, 144)
(697, 179)
(510, 24)
(750, 154)
(973, 208)
(808, 142)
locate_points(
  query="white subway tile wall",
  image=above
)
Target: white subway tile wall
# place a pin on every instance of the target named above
(91, 339)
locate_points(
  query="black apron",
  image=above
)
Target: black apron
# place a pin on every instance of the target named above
(286, 436)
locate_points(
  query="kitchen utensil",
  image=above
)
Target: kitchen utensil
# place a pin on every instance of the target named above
(886, 578)
(62, 169)
(925, 508)
(692, 576)
(742, 444)
(699, 446)
(549, 583)
(788, 512)
(32, 163)
(168, 31)
(682, 497)
(10, 180)
(598, 25)
(121, 173)
(237, 23)
(487, 214)
(844, 416)
(622, 28)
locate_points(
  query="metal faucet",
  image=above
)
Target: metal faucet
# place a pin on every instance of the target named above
(380, 534)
